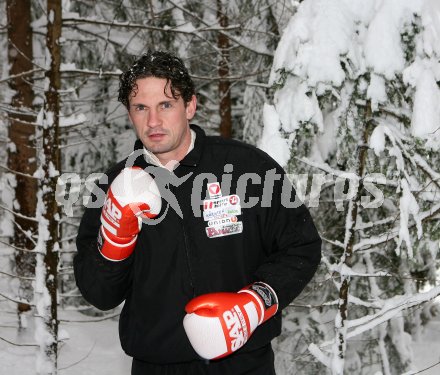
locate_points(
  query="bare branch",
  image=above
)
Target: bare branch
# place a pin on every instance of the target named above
(15, 344)
(128, 25)
(65, 270)
(12, 299)
(241, 77)
(196, 77)
(107, 317)
(420, 371)
(41, 68)
(68, 238)
(80, 360)
(17, 276)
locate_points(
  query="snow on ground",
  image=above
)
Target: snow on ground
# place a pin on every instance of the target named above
(427, 349)
(94, 349)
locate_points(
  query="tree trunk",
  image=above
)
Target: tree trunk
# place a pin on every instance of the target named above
(22, 154)
(340, 344)
(224, 86)
(48, 257)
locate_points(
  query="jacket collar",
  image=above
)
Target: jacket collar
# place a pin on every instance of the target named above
(192, 159)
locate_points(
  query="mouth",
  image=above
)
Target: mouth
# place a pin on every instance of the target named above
(156, 136)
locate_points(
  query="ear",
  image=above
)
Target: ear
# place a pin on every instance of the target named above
(191, 107)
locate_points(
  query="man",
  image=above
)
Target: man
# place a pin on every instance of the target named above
(200, 236)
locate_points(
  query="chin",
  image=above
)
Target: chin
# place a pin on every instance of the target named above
(157, 149)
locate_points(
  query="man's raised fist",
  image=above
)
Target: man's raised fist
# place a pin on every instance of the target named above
(132, 195)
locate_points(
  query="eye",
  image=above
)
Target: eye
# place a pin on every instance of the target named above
(139, 107)
(166, 105)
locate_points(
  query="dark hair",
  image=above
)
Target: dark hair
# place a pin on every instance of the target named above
(161, 65)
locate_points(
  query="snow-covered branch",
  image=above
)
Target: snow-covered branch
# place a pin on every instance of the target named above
(333, 242)
(426, 168)
(394, 232)
(9, 170)
(345, 270)
(376, 240)
(247, 46)
(16, 214)
(19, 111)
(375, 224)
(88, 72)
(347, 175)
(23, 74)
(391, 308)
(17, 248)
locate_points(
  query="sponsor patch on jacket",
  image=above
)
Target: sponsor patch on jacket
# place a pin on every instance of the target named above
(227, 201)
(223, 220)
(224, 229)
(220, 207)
(221, 213)
(218, 213)
(214, 190)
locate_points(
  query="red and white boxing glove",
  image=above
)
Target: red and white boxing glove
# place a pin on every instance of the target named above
(217, 324)
(133, 195)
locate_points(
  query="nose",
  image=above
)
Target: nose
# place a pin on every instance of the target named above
(153, 118)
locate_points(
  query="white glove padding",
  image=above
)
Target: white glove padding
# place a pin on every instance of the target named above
(218, 324)
(132, 195)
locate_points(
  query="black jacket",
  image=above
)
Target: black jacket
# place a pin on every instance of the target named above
(175, 260)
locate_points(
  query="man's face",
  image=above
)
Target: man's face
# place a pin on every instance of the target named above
(160, 121)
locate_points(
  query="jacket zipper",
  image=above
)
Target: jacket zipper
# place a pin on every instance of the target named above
(191, 279)
(186, 244)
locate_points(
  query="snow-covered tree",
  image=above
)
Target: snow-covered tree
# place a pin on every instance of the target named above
(21, 161)
(268, 25)
(356, 115)
(48, 214)
(72, 79)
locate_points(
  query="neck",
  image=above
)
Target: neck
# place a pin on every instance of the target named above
(170, 159)
(179, 153)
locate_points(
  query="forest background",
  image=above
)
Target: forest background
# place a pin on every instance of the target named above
(343, 94)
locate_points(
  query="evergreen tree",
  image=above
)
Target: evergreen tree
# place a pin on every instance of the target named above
(268, 25)
(356, 105)
(81, 129)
